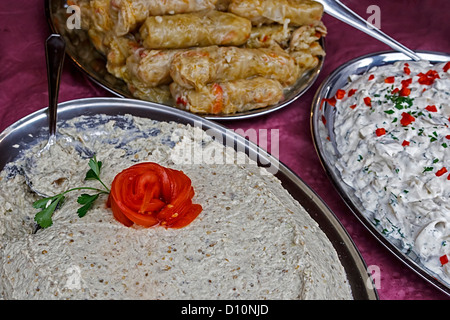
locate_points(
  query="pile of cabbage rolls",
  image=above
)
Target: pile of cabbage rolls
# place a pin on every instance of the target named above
(207, 56)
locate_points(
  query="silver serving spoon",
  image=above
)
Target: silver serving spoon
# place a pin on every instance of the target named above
(54, 54)
(341, 12)
(46, 162)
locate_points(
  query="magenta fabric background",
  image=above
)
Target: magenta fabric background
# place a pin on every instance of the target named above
(420, 25)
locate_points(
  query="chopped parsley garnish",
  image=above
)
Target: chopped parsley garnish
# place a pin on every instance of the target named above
(399, 101)
(426, 169)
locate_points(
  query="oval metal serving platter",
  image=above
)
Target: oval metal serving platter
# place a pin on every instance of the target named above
(93, 64)
(325, 144)
(29, 130)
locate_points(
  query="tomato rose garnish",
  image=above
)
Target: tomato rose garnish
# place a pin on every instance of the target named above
(148, 194)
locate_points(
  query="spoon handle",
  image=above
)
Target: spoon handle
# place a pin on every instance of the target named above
(54, 54)
(341, 12)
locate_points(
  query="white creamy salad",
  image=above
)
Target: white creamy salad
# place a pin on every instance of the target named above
(252, 240)
(393, 142)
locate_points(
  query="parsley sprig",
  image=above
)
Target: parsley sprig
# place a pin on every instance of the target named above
(48, 205)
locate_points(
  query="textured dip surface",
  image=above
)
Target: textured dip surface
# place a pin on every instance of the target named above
(393, 139)
(251, 241)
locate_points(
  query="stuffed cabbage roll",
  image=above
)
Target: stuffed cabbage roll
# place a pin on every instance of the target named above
(295, 12)
(308, 58)
(119, 49)
(304, 46)
(228, 97)
(197, 67)
(222, 5)
(270, 35)
(303, 36)
(199, 29)
(159, 94)
(96, 20)
(151, 67)
(98, 13)
(128, 14)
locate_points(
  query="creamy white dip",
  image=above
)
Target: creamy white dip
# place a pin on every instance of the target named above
(395, 153)
(251, 241)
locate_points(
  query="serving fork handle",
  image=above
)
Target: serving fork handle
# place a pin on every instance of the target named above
(338, 10)
(54, 54)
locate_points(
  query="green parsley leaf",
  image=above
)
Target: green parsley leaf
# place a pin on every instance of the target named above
(94, 172)
(43, 203)
(87, 200)
(44, 217)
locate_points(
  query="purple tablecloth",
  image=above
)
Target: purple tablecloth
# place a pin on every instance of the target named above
(420, 25)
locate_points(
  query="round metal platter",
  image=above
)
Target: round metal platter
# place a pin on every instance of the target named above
(324, 134)
(31, 129)
(93, 64)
